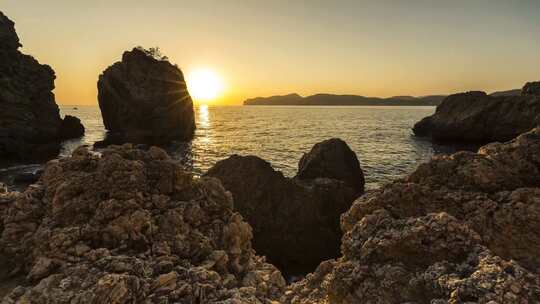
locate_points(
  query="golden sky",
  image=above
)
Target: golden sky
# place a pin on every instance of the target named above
(260, 48)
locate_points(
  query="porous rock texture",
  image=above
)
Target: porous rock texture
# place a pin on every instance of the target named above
(144, 99)
(295, 220)
(129, 226)
(476, 117)
(30, 123)
(460, 229)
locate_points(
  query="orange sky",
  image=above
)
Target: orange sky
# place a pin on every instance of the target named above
(260, 48)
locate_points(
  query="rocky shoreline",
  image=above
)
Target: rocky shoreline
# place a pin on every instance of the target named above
(132, 226)
(475, 117)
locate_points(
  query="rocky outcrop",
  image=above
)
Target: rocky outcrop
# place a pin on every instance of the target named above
(144, 99)
(71, 127)
(295, 221)
(461, 228)
(531, 88)
(30, 122)
(476, 117)
(332, 159)
(129, 226)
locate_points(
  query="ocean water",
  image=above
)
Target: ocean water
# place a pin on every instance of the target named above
(380, 136)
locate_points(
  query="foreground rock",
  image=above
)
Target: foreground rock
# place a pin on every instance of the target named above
(476, 117)
(461, 229)
(144, 99)
(129, 227)
(295, 221)
(30, 123)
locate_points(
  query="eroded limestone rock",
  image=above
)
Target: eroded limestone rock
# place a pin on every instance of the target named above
(131, 226)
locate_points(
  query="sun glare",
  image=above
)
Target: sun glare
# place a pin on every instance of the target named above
(204, 85)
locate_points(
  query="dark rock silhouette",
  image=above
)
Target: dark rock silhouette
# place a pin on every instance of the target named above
(461, 228)
(344, 100)
(532, 88)
(476, 117)
(129, 226)
(332, 159)
(144, 99)
(295, 221)
(30, 123)
(71, 127)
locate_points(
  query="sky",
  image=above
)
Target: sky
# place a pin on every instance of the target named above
(273, 47)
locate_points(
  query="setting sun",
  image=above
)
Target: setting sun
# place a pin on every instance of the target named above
(204, 85)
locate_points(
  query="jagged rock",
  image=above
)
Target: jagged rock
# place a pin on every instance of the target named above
(295, 221)
(332, 159)
(476, 117)
(71, 128)
(460, 229)
(144, 99)
(130, 226)
(29, 117)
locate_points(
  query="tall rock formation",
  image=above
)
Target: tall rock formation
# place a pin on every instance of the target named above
(476, 117)
(30, 123)
(144, 99)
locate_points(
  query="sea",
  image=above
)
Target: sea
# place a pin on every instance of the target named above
(381, 136)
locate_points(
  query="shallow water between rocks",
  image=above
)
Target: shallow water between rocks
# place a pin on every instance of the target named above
(380, 135)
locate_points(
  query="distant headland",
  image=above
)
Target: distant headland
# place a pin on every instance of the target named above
(354, 100)
(343, 100)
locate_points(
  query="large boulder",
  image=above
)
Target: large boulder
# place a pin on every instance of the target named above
(463, 228)
(71, 127)
(129, 226)
(333, 159)
(30, 121)
(144, 99)
(476, 117)
(295, 220)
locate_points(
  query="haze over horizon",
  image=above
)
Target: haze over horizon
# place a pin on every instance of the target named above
(262, 48)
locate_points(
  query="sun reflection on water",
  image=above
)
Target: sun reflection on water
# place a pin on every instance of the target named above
(203, 126)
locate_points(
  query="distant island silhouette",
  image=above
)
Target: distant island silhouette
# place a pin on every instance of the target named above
(355, 100)
(344, 100)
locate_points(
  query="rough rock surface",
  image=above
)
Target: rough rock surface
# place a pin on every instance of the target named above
(476, 117)
(129, 227)
(295, 221)
(144, 99)
(460, 229)
(332, 159)
(30, 122)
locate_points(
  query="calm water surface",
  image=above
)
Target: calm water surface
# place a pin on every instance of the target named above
(381, 136)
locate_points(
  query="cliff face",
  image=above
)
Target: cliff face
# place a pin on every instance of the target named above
(29, 116)
(30, 123)
(461, 228)
(129, 226)
(144, 99)
(476, 117)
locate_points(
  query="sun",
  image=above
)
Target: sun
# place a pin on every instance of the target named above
(204, 85)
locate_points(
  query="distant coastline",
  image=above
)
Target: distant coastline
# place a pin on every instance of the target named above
(344, 100)
(355, 100)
